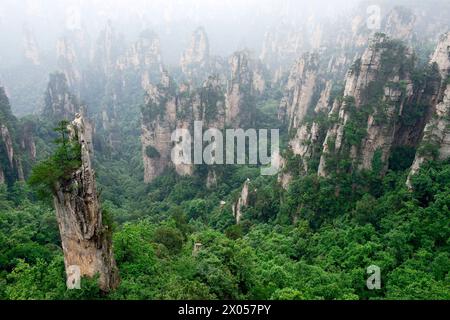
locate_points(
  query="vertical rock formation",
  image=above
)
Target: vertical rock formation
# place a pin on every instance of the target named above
(31, 49)
(240, 97)
(142, 60)
(86, 240)
(376, 89)
(158, 119)
(60, 103)
(108, 49)
(299, 91)
(169, 108)
(282, 45)
(400, 23)
(68, 62)
(195, 62)
(73, 53)
(435, 144)
(306, 99)
(16, 143)
(242, 202)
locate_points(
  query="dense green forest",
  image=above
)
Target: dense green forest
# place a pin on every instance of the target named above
(324, 255)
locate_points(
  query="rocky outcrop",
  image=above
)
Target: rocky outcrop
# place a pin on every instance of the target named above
(31, 48)
(12, 150)
(108, 48)
(143, 60)
(195, 62)
(86, 240)
(299, 90)
(376, 89)
(242, 202)
(74, 54)
(158, 118)
(435, 144)
(242, 89)
(168, 108)
(60, 103)
(306, 98)
(400, 23)
(282, 45)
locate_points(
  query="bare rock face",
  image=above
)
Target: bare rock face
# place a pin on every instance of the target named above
(240, 97)
(300, 89)
(195, 62)
(376, 89)
(74, 53)
(159, 116)
(86, 241)
(307, 93)
(242, 202)
(27, 142)
(169, 107)
(31, 48)
(400, 24)
(282, 45)
(436, 138)
(60, 104)
(12, 134)
(143, 59)
(108, 48)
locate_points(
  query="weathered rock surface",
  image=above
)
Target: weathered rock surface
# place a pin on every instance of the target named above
(16, 143)
(375, 91)
(242, 202)
(435, 144)
(168, 108)
(195, 62)
(31, 48)
(60, 103)
(243, 86)
(86, 240)
(142, 59)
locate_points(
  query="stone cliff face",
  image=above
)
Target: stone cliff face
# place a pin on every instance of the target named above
(299, 90)
(366, 117)
(242, 202)
(86, 240)
(16, 144)
(158, 118)
(245, 81)
(168, 108)
(435, 144)
(282, 45)
(195, 62)
(380, 109)
(60, 103)
(74, 54)
(108, 48)
(306, 97)
(400, 24)
(31, 48)
(142, 59)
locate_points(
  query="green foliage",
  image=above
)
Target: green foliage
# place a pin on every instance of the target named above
(326, 233)
(355, 128)
(377, 162)
(152, 152)
(401, 158)
(170, 238)
(60, 166)
(429, 149)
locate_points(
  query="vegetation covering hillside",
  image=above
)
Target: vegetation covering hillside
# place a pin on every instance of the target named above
(324, 255)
